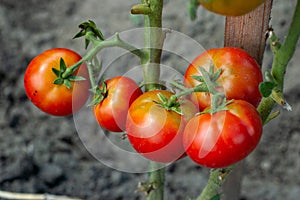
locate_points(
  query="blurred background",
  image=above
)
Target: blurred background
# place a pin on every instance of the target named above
(43, 154)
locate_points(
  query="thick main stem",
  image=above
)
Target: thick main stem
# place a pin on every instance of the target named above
(151, 71)
(280, 61)
(287, 49)
(157, 179)
(216, 180)
(154, 39)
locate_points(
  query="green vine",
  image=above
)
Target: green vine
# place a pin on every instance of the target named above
(282, 55)
(153, 38)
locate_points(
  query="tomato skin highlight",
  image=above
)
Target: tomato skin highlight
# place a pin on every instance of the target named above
(240, 77)
(111, 112)
(54, 99)
(230, 7)
(153, 131)
(223, 138)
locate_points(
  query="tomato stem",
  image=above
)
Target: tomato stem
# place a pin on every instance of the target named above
(157, 178)
(153, 39)
(99, 45)
(217, 178)
(91, 75)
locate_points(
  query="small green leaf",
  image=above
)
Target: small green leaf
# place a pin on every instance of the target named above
(83, 25)
(266, 88)
(79, 34)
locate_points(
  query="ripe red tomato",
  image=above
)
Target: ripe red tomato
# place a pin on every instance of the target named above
(225, 137)
(111, 112)
(155, 132)
(239, 79)
(230, 7)
(51, 98)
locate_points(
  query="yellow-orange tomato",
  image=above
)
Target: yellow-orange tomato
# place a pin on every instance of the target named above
(230, 7)
(153, 131)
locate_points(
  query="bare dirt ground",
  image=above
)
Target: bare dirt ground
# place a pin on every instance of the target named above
(44, 154)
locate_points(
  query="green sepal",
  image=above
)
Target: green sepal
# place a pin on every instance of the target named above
(198, 78)
(62, 65)
(214, 76)
(67, 83)
(162, 98)
(171, 104)
(76, 78)
(58, 81)
(89, 27)
(99, 94)
(221, 107)
(56, 72)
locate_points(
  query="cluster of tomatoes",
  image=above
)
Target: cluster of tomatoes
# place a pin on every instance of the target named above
(159, 125)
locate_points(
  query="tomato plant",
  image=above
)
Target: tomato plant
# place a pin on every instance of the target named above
(223, 138)
(230, 7)
(117, 95)
(240, 76)
(154, 131)
(50, 93)
(161, 129)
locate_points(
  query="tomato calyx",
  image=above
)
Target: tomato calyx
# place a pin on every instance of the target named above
(90, 31)
(218, 98)
(172, 104)
(208, 83)
(62, 79)
(99, 94)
